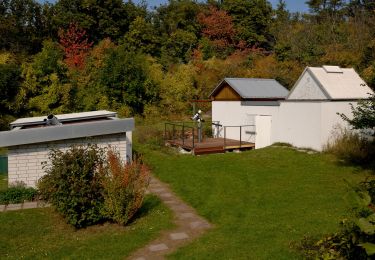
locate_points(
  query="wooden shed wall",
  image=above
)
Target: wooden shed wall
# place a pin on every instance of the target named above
(226, 93)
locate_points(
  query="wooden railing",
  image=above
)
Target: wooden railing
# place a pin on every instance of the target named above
(177, 131)
(240, 127)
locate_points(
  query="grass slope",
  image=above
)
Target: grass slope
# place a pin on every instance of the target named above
(41, 233)
(260, 201)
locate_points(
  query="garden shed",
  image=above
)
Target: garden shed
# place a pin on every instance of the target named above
(305, 117)
(30, 139)
(250, 103)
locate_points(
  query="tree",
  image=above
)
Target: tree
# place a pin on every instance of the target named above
(45, 87)
(218, 27)
(23, 25)
(125, 80)
(177, 14)
(178, 47)
(142, 37)
(252, 19)
(363, 114)
(75, 45)
(10, 79)
(176, 23)
(101, 19)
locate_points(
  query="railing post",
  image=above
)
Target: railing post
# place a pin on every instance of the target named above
(240, 136)
(183, 134)
(225, 136)
(193, 138)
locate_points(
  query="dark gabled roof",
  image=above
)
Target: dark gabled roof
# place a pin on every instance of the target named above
(254, 88)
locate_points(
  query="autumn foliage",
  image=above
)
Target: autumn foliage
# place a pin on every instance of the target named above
(86, 185)
(218, 27)
(75, 44)
(124, 187)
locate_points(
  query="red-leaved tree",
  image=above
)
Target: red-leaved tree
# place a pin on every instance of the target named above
(218, 27)
(76, 45)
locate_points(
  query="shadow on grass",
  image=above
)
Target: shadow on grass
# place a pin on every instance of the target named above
(150, 202)
(368, 165)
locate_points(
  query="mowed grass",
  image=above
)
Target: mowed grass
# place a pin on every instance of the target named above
(260, 201)
(42, 233)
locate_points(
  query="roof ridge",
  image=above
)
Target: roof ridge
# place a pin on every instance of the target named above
(251, 79)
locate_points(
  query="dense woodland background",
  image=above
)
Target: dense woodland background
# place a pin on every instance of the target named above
(85, 55)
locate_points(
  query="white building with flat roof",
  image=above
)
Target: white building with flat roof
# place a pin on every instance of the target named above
(30, 139)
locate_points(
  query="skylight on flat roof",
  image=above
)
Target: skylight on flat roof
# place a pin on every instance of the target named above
(332, 69)
(63, 118)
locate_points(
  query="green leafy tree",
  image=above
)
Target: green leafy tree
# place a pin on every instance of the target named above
(45, 88)
(10, 79)
(101, 19)
(141, 37)
(124, 78)
(178, 47)
(363, 114)
(176, 23)
(252, 19)
(23, 25)
(177, 14)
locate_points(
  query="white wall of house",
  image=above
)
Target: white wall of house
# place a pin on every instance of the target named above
(25, 161)
(307, 88)
(331, 122)
(310, 124)
(299, 123)
(236, 113)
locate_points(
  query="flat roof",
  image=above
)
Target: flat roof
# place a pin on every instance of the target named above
(64, 132)
(63, 118)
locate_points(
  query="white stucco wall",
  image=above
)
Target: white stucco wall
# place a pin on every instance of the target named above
(331, 122)
(307, 88)
(299, 123)
(25, 161)
(310, 124)
(235, 113)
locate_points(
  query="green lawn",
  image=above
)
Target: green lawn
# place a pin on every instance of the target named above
(260, 201)
(41, 233)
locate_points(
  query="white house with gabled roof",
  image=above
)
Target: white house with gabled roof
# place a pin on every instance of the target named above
(308, 117)
(304, 117)
(244, 108)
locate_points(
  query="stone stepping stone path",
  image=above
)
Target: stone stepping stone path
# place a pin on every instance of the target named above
(189, 225)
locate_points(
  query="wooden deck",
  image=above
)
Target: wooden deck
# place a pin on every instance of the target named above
(211, 145)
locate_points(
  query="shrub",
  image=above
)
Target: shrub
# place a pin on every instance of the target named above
(124, 188)
(17, 193)
(352, 148)
(73, 185)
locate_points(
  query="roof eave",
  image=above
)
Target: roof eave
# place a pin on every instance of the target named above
(64, 132)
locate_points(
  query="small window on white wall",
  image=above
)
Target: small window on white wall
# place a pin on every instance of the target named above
(250, 119)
